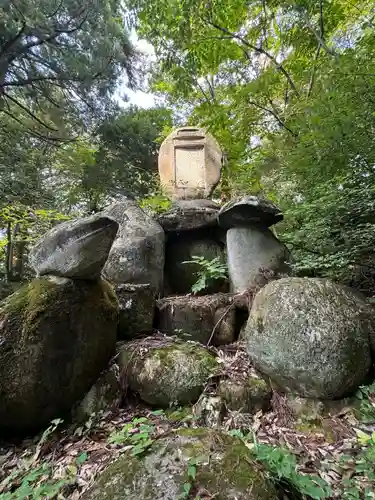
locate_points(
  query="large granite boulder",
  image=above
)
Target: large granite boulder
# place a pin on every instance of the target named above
(137, 254)
(311, 336)
(180, 276)
(186, 215)
(56, 336)
(254, 256)
(249, 210)
(75, 249)
(202, 319)
(166, 372)
(225, 470)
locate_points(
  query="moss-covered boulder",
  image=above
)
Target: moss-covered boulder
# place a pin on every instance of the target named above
(166, 372)
(225, 470)
(250, 396)
(311, 336)
(56, 336)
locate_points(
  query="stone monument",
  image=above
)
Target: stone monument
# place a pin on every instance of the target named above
(237, 233)
(189, 164)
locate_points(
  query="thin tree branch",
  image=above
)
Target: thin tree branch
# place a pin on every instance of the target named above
(312, 78)
(13, 40)
(32, 115)
(319, 36)
(53, 14)
(29, 81)
(203, 92)
(275, 115)
(48, 39)
(49, 140)
(259, 50)
(264, 7)
(321, 20)
(211, 87)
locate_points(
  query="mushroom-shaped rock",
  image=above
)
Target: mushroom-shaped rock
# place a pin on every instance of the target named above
(249, 210)
(137, 254)
(56, 336)
(254, 254)
(75, 249)
(225, 470)
(165, 372)
(311, 336)
(186, 215)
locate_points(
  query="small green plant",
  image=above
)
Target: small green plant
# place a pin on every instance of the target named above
(187, 488)
(361, 484)
(366, 396)
(157, 203)
(282, 466)
(208, 272)
(136, 434)
(34, 481)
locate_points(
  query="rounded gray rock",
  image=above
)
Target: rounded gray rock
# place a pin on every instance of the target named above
(311, 336)
(163, 375)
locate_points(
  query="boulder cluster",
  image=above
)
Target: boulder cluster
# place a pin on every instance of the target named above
(111, 310)
(114, 278)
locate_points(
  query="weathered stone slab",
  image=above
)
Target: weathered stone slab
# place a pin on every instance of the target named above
(198, 318)
(189, 163)
(75, 249)
(186, 215)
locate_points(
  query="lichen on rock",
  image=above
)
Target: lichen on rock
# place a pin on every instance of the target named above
(167, 373)
(225, 469)
(249, 397)
(311, 336)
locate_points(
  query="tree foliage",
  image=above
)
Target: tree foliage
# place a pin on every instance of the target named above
(287, 88)
(59, 54)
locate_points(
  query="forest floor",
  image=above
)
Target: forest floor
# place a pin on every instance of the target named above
(339, 448)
